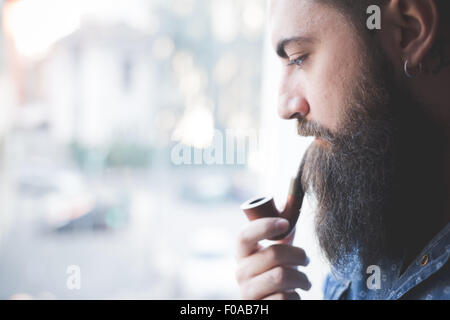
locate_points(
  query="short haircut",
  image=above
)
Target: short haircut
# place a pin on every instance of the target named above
(357, 9)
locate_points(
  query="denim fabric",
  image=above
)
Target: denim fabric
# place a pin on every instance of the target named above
(427, 277)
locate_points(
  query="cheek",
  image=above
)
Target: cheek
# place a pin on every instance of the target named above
(325, 98)
(331, 85)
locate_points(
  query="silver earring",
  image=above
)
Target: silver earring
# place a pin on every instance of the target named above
(409, 75)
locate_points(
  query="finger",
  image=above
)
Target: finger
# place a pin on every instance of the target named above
(269, 258)
(289, 239)
(291, 295)
(258, 230)
(279, 279)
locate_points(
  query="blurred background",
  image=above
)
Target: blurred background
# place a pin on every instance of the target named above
(104, 106)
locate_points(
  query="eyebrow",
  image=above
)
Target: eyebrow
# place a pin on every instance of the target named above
(281, 52)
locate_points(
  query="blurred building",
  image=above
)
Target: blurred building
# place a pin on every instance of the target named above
(95, 94)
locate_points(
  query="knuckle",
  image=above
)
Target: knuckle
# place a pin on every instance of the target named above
(243, 238)
(240, 274)
(278, 275)
(268, 228)
(273, 253)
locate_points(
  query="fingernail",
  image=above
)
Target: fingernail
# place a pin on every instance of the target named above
(307, 261)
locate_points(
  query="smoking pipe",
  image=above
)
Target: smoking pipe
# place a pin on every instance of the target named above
(264, 207)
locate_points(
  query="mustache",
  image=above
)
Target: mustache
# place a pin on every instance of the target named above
(311, 128)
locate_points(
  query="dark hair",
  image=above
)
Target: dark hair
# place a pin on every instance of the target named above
(353, 6)
(357, 11)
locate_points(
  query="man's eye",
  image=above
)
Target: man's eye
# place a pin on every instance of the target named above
(299, 61)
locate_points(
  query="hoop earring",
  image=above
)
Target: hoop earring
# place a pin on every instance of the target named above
(409, 75)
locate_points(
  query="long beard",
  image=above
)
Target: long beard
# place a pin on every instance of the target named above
(365, 175)
(351, 175)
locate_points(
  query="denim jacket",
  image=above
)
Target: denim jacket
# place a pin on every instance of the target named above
(427, 277)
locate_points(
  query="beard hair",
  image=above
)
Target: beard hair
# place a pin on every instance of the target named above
(363, 176)
(350, 175)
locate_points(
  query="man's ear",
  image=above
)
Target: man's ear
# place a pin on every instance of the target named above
(416, 23)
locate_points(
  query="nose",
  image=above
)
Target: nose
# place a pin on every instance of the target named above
(292, 103)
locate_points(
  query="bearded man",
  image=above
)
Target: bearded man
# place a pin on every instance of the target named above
(378, 104)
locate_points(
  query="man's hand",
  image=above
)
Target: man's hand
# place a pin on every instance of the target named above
(269, 273)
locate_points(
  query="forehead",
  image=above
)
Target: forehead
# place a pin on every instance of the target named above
(292, 18)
